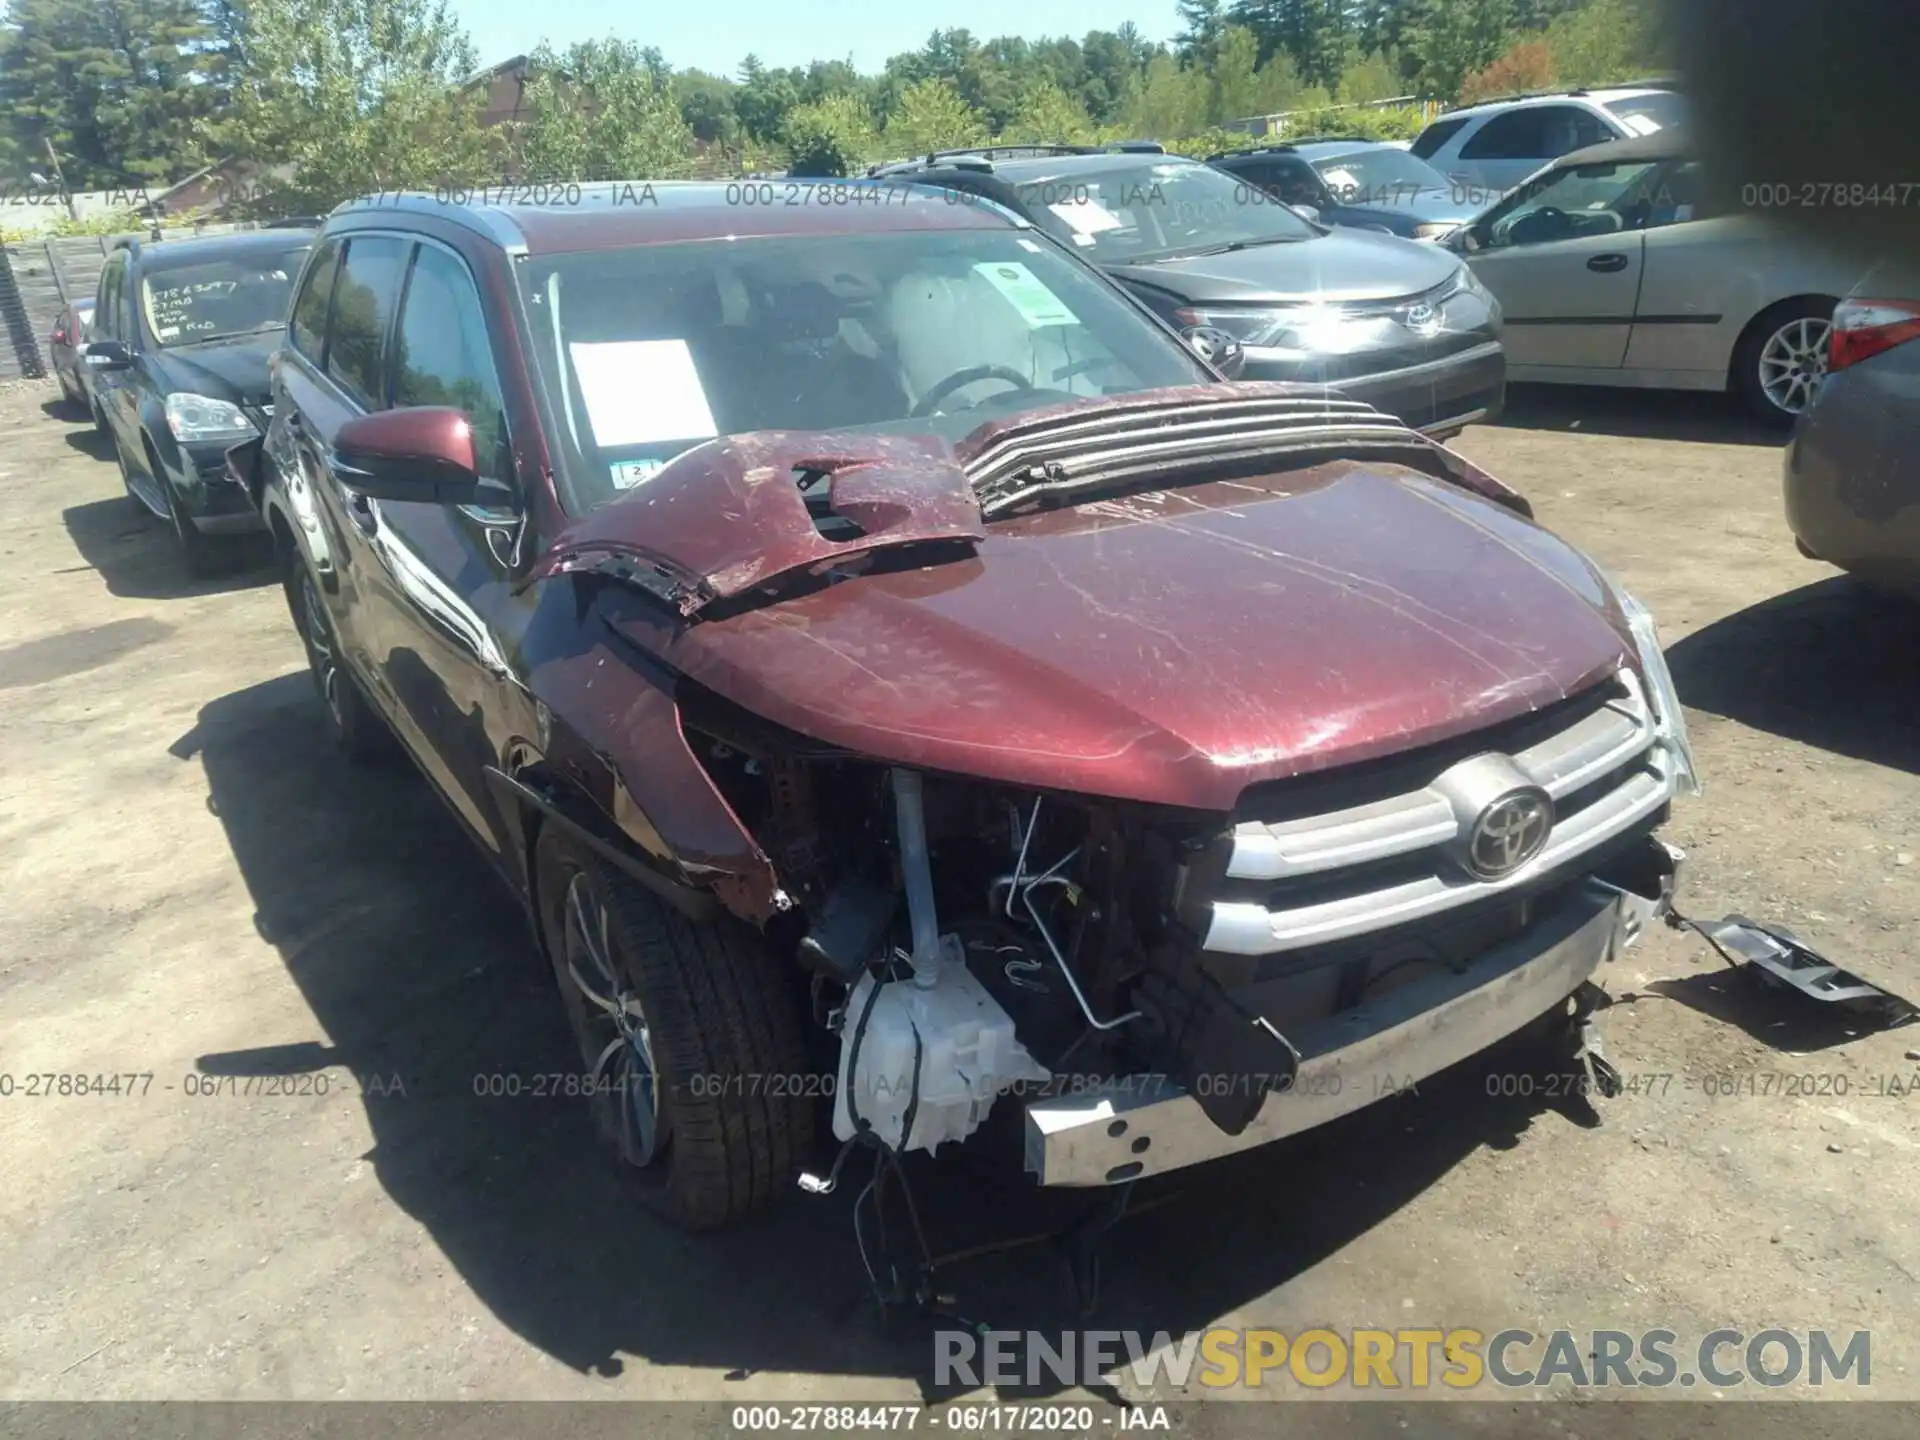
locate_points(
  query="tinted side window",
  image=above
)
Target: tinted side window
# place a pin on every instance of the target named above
(1680, 193)
(106, 307)
(1436, 135)
(441, 355)
(1516, 135)
(309, 324)
(363, 301)
(1290, 181)
(1537, 132)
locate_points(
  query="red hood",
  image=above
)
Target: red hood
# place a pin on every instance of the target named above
(1179, 645)
(727, 517)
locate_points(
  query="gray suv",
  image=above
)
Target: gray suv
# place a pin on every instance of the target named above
(1403, 326)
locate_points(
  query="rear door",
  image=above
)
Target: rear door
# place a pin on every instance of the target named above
(1699, 288)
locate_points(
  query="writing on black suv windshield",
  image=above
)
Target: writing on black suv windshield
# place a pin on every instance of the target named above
(194, 303)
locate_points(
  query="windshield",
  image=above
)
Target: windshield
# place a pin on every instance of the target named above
(651, 350)
(1154, 211)
(190, 304)
(1377, 177)
(1644, 114)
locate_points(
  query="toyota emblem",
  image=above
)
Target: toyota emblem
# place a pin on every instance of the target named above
(1421, 317)
(1509, 833)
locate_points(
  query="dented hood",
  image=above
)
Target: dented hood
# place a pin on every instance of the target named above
(1178, 645)
(728, 516)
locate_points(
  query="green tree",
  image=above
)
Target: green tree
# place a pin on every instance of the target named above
(1236, 82)
(763, 101)
(360, 96)
(1450, 39)
(1048, 115)
(123, 90)
(1170, 100)
(707, 106)
(931, 115)
(604, 110)
(1370, 77)
(830, 137)
(1314, 33)
(1607, 40)
(1203, 25)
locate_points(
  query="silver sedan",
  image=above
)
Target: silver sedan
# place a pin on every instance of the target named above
(1622, 265)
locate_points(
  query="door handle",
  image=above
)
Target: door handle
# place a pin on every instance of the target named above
(1608, 264)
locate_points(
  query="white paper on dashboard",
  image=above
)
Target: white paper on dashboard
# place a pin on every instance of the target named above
(1086, 216)
(638, 392)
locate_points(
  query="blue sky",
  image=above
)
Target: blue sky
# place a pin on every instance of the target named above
(716, 36)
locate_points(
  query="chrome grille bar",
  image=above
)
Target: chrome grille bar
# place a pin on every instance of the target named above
(1561, 765)
(1620, 738)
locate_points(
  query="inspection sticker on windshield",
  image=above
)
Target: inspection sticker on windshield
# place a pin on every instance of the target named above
(629, 473)
(1038, 305)
(640, 392)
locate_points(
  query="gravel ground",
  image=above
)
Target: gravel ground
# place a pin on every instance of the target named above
(195, 887)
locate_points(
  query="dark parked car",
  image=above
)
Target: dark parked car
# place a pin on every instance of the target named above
(1363, 184)
(891, 668)
(1853, 465)
(1397, 324)
(69, 337)
(181, 334)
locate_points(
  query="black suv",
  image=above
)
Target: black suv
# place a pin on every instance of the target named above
(1400, 325)
(182, 331)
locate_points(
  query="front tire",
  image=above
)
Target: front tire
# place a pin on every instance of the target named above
(690, 1040)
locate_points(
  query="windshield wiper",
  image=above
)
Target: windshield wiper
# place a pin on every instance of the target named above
(1228, 248)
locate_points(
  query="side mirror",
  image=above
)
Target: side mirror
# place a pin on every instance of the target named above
(1309, 213)
(108, 355)
(422, 453)
(1218, 349)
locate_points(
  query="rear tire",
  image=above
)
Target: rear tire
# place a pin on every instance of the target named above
(691, 1035)
(1781, 360)
(357, 727)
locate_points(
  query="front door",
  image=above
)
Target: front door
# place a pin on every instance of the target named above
(1566, 256)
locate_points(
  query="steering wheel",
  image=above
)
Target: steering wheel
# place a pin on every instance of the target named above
(930, 401)
(1548, 221)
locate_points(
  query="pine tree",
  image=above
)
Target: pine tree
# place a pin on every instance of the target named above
(123, 90)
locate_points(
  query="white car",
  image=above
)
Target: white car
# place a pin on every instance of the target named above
(1489, 148)
(1627, 264)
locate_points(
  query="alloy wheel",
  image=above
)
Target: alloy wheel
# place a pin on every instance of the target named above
(1793, 363)
(320, 655)
(615, 1034)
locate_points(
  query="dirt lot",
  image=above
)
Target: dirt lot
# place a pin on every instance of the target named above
(196, 887)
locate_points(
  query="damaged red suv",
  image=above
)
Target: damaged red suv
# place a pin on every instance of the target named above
(914, 693)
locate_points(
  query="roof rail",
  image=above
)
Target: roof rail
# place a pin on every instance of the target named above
(1666, 82)
(1277, 148)
(983, 156)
